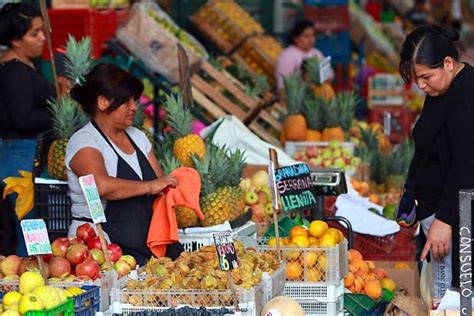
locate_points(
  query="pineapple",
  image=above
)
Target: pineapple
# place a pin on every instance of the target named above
(312, 109)
(139, 122)
(67, 119)
(236, 166)
(324, 90)
(180, 119)
(338, 116)
(295, 126)
(185, 216)
(216, 196)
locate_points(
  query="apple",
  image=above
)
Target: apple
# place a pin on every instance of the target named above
(336, 153)
(59, 267)
(85, 231)
(130, 260)
(88, 268)
(251, 198)
(106, 266)
(25, 262)
(316, 161)
(47, 257)
(355, 161)
(11, 265)
(59, 247)
(83, 277)
(246, 184)
(262, 198)
(327, 163)
(122, 268)
(312, 152)
(97, 255)
(346, 153)
(339, 162)
(326, 153)
(94, 242)
(77, 254)
(260, 178)
(334, 144)
(258, 212)
(11, 277)
(115, 252)
(268, 209)
(75, 240)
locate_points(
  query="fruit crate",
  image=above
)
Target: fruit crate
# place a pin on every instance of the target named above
(259, 54)
(127, 300)
(313, 307)
(361, 304)
(401, 120)
(329, 264)
(225, 23)
(328, 18)
(321, 292)
(188, 311)
(65, 309)
(275, 283)
(292, 147)
(100, 25)
(70, 4)
(192, 241)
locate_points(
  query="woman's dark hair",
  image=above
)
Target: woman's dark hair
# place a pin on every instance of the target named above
(110, 81)
(427, 45)
(15, 21)
(298, 29)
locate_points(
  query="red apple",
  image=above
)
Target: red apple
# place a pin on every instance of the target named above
(59, 267)
(97, 255)
(82, 278)
(130, 260)
(115, 252)
(262, 198)
(77, 253)
(59, 247)
(85, 231)
(88, 268)
(94, 242)
(25, 263)
(122, 268)
(75, 240)
(258, 212)
(47, 257)
(11, 265)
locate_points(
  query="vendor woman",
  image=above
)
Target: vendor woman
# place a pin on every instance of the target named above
(121, 159)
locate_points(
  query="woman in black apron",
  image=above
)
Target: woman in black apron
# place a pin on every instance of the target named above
(108, 95)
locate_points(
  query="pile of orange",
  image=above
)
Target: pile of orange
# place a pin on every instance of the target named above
(364, 277)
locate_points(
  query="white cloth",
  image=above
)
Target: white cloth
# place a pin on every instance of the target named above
(88, 136)
(235, 135)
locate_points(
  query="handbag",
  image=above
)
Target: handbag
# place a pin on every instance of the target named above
(406, 213)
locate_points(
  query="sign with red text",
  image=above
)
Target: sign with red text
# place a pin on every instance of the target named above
(36, 237)
(295, 186)
(94, 203)
(226, 251)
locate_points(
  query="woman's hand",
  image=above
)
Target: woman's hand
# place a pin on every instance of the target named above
(158, 185)
(438, 240)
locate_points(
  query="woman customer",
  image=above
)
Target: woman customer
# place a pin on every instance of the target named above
(23, 94)
(120, 157)
(444, 160)
(301, 46)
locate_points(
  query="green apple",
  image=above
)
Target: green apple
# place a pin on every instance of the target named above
(251, 198)
(326, 153)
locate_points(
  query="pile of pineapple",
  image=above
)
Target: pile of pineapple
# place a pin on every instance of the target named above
(198, 270)
(315, 114)
(221, 197)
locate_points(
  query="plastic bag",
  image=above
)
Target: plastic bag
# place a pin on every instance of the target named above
(425, 283)
(23, 186)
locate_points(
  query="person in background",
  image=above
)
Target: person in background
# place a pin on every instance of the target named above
(23, 94)
(120, 157)
(443, 162)
(302, 39)
(417, 16)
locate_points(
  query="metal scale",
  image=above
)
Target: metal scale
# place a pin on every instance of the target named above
(329, 182)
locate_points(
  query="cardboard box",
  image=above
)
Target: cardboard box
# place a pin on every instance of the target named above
(409, 278)
(250, 170)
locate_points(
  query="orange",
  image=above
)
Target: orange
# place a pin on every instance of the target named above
(381, 272)
(313, 240)
(317, 228)
(297, 231)
(373, 289)
(388, 284)
(349, 280)
(313, 275)
(353, 254)
(327, 240)
(370, 264)
(336, 233)
(293, 271)
(310, 258)
(292, 255)
(322, 263)
(300, 240)
(272, 242)
(360, 265)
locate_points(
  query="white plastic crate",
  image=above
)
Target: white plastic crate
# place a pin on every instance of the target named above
(314, 291)
(291, 147)
(275, 283)
(315, 308)
(246, 310)
(194, 241)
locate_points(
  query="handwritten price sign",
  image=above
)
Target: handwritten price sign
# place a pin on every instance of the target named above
(226, 251)
(36, 236)
(91, 193)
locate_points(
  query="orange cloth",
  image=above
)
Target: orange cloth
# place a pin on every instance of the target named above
(163, 227)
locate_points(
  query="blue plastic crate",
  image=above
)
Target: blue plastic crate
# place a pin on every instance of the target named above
(325, 2)
(337, 45)
(87, 303)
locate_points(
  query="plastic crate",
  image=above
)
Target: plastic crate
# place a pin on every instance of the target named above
(401, 121)
(194, 241)
(246, 310)
(292, 147)
(70, 4)
(361, 304)
(65, 309)
(312, 307)
(100, 25)
(328, 18)
(321, 292)
(275, 283)
(337, 45)
(88, 302)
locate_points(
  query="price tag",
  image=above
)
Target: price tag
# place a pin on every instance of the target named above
(325, 69)
(36, 236)
(91, 193)
(272, 184)
(226, 251)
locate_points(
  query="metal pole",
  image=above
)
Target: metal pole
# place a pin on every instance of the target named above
(465, 251)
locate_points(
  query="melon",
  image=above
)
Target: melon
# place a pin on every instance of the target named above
(282, 306)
